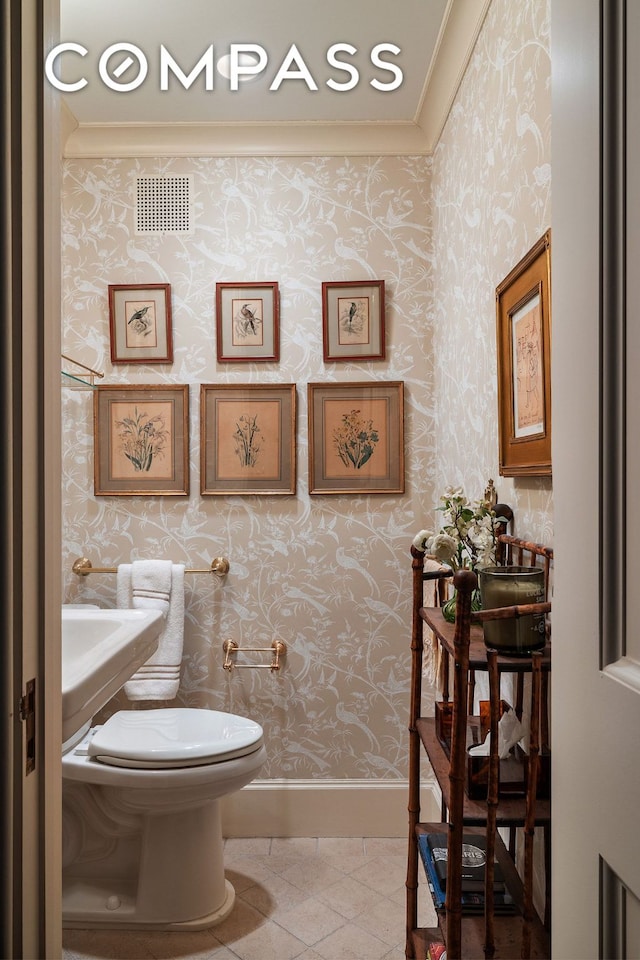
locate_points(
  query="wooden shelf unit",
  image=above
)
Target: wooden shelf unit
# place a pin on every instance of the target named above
(507, 932)
(508, 929)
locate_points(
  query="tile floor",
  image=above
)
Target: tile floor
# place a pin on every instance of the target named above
(296, 899)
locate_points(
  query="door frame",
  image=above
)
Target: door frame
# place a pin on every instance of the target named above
(30, 586)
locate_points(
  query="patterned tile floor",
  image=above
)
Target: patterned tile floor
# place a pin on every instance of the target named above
(296, 899)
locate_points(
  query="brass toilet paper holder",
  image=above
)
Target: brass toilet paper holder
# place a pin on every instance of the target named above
(278, 648)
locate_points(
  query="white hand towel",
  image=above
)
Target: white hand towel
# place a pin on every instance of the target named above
(156, 585)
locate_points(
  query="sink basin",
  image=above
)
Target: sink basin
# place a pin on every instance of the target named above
(101, 650)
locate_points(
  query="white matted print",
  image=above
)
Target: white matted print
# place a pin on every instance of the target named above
(353, 325)
(140, 323)
(247, 322)
(528, 386)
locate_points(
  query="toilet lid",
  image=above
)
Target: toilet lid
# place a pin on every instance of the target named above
(173, 737)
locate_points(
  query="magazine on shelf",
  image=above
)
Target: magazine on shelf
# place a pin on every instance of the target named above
(474, 858)
(472, 903)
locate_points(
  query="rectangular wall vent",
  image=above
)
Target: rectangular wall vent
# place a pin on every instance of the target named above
(163, 205)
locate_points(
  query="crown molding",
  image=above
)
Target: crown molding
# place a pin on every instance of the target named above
(461, 26)
(245, 140)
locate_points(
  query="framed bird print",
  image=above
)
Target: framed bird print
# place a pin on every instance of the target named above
(140, 323)
(247, 322)
(353, 320)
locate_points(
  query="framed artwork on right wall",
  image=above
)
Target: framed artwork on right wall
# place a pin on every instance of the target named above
(523, 337)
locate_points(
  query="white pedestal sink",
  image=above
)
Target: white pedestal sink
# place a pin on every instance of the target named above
(101, 650)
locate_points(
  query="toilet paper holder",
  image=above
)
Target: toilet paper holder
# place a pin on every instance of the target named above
(230, 648)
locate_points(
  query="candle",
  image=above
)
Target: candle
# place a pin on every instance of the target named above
(509, 586)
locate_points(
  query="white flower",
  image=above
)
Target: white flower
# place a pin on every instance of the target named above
(467, 537)
(421, 540)
(443, 547)
(462, 527)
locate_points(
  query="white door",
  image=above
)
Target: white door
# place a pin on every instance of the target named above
(596, 450)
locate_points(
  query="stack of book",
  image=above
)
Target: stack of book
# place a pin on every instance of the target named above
(433, 851)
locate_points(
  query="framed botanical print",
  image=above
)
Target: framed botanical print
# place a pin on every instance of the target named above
(353, 320)
(140, 323)
(141, 440)
(356, 437)
(247, 322)
(523, 318)
(247, 438)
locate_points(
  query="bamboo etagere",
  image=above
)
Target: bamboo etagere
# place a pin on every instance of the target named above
(524, 933)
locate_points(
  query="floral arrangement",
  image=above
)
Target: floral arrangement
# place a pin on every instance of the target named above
(466, 540)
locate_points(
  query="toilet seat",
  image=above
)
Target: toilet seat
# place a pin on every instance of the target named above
(173, 737)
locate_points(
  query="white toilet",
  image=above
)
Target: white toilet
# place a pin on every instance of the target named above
(142, 841)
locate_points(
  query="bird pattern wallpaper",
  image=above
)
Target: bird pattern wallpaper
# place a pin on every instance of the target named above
(329, 575)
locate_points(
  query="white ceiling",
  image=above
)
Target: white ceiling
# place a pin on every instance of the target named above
(435, 38)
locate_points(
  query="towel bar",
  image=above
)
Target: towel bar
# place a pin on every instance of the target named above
(82, 567)
(85, 378)
(278, 648)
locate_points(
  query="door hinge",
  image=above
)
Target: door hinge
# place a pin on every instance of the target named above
(28, 715)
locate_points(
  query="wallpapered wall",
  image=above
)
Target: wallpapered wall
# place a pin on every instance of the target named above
(329, 575)
(491, 186)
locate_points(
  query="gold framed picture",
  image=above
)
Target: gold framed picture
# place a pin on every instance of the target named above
(247, 438)
(523, 316)
(141, 440)
(356, 437)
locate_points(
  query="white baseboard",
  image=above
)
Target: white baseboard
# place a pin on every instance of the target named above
(324, 808)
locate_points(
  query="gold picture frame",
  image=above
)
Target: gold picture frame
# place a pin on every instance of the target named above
(141, 440)
(353, 320)
(523, 318)
(247, 439)
(247, 322)
(140, 323)
(356, 437)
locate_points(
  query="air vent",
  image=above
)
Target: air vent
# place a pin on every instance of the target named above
(163, 205)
